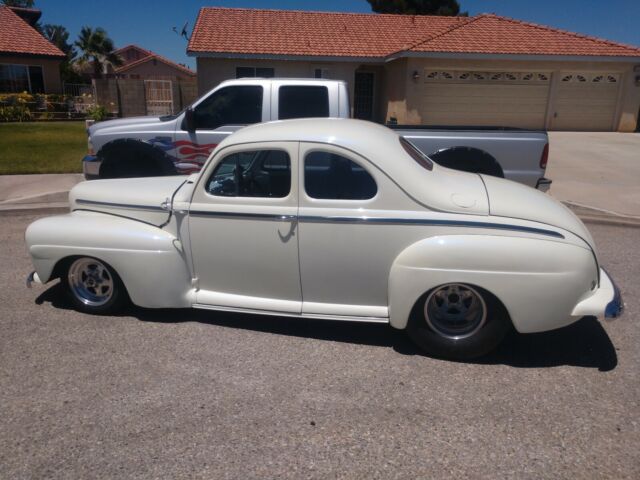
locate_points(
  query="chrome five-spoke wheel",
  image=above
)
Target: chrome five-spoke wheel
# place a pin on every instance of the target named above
(93, 285)
(455, 311)
(90, 281)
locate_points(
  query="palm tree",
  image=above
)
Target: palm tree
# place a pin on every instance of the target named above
(97, 48)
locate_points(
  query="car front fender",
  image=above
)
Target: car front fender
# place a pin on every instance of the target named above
(538, 281)
(150, 261)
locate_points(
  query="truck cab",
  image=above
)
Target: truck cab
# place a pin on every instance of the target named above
(181, 143)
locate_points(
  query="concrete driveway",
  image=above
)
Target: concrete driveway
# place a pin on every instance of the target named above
(596, 169)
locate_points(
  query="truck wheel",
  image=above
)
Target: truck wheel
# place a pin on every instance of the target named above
(468, 159)
(93, 286)
(131, 158)
(458, 321)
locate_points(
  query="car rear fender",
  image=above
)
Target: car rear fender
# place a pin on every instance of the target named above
(538, 281)
(150, 261)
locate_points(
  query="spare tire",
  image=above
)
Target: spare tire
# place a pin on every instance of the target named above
(128, 158)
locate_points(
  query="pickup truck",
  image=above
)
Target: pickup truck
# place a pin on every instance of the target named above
(181, 143)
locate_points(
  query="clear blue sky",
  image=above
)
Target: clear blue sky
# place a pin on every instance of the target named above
(148, 23)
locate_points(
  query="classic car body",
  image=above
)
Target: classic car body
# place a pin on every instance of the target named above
(332, 219)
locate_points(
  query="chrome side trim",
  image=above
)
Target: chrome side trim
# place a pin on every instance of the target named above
(257, 216)
(382, 221)
(81, 201)
(312, 316)
(429, 222)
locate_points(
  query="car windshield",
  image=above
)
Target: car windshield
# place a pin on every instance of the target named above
(416, 154)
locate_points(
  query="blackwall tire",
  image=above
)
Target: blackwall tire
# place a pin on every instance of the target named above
(471, 331)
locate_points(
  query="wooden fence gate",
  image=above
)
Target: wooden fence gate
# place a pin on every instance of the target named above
(159, 97)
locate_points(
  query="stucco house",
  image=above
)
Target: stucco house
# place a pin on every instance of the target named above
(138, 62)
(482, 70)
(28, 61)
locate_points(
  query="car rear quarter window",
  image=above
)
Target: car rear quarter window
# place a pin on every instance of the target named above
(330, 176)
(416, 154)
(303, 102)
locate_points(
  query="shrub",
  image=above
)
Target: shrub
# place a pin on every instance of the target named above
(97, 113)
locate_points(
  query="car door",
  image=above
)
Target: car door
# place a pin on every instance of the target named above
(344, 259)
(216, 116)
(243, 229)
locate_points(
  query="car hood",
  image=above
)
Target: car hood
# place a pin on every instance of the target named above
(514, 200)
(137, 198)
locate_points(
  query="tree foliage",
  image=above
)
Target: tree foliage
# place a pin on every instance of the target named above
(417, 7)
(97, 49)
(19, 3)
(59, 36)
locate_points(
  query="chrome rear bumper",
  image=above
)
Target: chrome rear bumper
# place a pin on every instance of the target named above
(615, 307)
(605, 301)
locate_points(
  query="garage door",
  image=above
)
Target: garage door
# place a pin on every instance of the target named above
(586, 101)
(512, 99)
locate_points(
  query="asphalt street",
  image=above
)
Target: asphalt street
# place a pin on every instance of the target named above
(194, 394)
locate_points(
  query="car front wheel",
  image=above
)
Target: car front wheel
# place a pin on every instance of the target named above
(93, 286)
(458, 321)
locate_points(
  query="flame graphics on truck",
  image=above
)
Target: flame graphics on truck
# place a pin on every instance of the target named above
(189, 157)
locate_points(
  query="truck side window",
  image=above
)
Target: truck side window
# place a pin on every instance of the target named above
(303, 102)
(329, 176)
(238, 105)
(255, 173)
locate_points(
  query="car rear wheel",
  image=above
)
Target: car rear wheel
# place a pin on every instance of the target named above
(458, 321)
(93, 286)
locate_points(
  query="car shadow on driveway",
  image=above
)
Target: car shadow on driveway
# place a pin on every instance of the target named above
(582, 344)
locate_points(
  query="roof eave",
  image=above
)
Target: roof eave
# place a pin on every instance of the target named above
(290, 57)
(510, 56)
(60, 57)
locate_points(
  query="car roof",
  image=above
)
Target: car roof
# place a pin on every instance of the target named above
(366, 138)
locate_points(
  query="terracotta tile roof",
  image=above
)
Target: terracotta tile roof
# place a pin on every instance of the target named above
(494, 34)
(291, 32)
(150, 57)
(18, 37)
(327, 34)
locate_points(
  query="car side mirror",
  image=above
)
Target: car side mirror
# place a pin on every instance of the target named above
(189, 120)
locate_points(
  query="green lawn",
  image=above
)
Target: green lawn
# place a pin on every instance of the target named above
(42, 147)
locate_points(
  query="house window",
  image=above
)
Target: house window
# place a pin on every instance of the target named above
(21, 78)
(252, 72)
(321, 73)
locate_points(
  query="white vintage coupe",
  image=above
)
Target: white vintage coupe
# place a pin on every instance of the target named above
(330, 219)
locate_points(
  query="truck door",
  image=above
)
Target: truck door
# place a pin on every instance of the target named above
(216, 116)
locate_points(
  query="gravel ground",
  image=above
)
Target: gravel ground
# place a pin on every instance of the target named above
(193, 394)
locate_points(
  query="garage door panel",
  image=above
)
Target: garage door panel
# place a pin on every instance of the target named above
(586, 105)
(515, 99)
(518, 105)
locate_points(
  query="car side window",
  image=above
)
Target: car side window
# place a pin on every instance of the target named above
(330, 176)
(255, 173)
(238, 105)
(303, 102)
